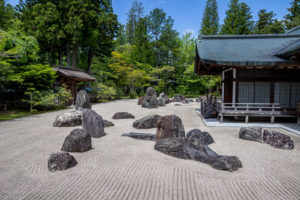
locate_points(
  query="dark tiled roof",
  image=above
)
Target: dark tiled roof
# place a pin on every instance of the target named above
(247, 50)
(295, 30)
(75, 74)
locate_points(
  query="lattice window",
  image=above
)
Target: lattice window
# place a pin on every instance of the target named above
(254, 92)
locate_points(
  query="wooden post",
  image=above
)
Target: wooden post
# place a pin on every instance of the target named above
(223, 86)
(221, 118)
(298, 118)
(272, 119)
(246, 119)
(234, 87)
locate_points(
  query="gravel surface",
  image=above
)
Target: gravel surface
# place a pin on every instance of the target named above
(124, 168)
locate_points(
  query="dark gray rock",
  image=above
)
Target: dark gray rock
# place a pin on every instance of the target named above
(140, 100)
(107, 123)
(169, 126)
(278, 140)
(123, 115)
(251, 133)
(77, 141)
(198, 136)
(150, 121)
(92, 123)
(150, 100)
(177, 104)
(182, 148)
(61, 161)
(73, 118)
(161, 101)
(185, 102)
(141, 136)
(82, 100)
(229, 163)
(178, 98)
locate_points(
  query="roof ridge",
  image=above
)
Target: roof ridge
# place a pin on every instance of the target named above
(293, 29)
(250, 36)
(67, 68)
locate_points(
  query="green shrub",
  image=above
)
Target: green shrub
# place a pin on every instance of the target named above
(104, 92)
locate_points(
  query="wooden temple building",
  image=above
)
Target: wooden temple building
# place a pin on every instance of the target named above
(71, 77)
(260, 73)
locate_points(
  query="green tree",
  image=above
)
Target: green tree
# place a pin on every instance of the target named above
(210, 19)
(163, 37)
(267, 24)
(7, 14)
(141, 51)
(292, 19)
(238, 19)
(135, 14)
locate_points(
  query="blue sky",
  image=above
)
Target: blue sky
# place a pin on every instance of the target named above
(187, 14)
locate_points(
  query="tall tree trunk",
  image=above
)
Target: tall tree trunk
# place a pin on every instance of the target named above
(60, 56)
(68, 55)
(74, 59)
(52, 62)
(90, 58)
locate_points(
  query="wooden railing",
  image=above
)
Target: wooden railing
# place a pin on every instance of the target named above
(254, 109)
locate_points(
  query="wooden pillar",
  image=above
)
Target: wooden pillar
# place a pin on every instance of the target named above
(223, 85)
(234, 87)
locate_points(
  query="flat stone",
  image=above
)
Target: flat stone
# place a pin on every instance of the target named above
(141, 136)
(150, 121)
(61, 161)
(73, 118)
(77, 141)
(123, 115)
(251, 133)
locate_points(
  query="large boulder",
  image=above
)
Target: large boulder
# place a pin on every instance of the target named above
(92, 123)
(198, 137)
(278, 140)
(123, 115)
(73, 118)
(251, 133)
(182, 148)
(61, 161)
(140, 100)
(178, 98)
(77, 141)
(141, 136)
(150, 121)
(107, 123)
(169, 126)
(150, 100)
(82, 100)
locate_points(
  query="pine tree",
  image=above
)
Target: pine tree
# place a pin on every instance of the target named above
(135, 14)
(238, 19)
(267, 24)
(210, 20)
(292, 19)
